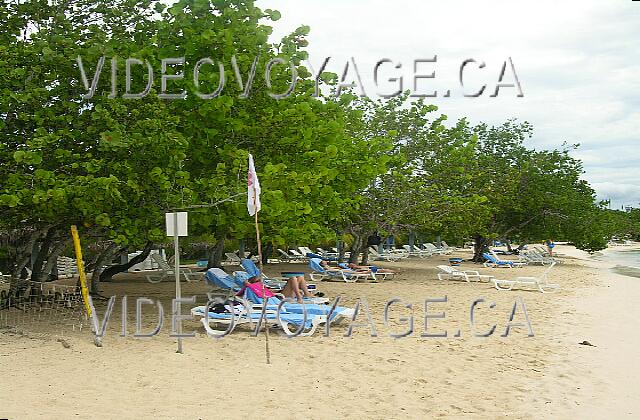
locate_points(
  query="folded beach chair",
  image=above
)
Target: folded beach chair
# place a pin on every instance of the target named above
(338, 274)
(493, 261)
(533, 258)
(322, 257)
(538, 252)
(297, 255)
(347, 254)
(305, 250)
(445, 246)
(448, 272)
(290, 257)
(327, 254)
(166, 271)
(435, 250)
(232, 259)
(416, 252)
(539, 283)
(545, 253)
(386, 256)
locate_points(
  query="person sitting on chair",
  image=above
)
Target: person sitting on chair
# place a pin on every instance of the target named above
(296, 288)
(373, 268)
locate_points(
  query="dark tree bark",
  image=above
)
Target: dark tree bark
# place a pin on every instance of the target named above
(365, 256)
(215, 253)
(108, 274)
(37, 271)
(104, 257)
(23, 253)
(481, 245)
(358, 242)
(59, 246)
(267, 250)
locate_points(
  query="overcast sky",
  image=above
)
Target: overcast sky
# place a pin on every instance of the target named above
(578, 63)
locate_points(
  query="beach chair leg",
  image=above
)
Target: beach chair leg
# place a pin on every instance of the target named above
(499, 286)
(155, 279)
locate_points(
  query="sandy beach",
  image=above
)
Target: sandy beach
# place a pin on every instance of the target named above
(61, 374)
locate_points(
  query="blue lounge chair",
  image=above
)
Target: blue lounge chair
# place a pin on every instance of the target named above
(253, 270)
(222, 281)
(348, 275)
(493, 261)
(310, 324)
(298, 308)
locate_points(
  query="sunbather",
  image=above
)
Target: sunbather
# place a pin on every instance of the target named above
(296, 288)
(255, 283)
(373, 268)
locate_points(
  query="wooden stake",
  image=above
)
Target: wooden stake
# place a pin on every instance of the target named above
(264, 298)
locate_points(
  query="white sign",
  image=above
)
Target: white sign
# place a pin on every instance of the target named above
(182, 223)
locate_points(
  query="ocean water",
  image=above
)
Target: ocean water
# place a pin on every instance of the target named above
(627, 261)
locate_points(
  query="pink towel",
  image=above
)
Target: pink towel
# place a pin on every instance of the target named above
(257, 289)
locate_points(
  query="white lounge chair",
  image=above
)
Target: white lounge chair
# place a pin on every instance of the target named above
(166, 271)
(305, 250)
(327, 254)
(232, 259)
(435, 250)
(545, 254)
(389, 255)
(416, 252)
(289, 257)
(452, 273)
(539, 283)
(533, 258)
(297, 255)
(347, 254)
(248, 316)
(337, 274)
(445, 246)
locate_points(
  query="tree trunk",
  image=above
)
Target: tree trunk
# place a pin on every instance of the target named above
(480, 246)
(356, 247)
(104, 257)
(43, 254)
(267, 250)
(52, 259)
(214, 254)
(365, 256)
(108, 274)
(23, 253)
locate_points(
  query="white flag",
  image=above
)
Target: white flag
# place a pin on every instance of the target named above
(253, 193)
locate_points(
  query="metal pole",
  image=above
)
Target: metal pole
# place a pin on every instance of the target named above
(176, 245)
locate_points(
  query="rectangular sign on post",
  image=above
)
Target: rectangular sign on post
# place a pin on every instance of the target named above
(182, 223)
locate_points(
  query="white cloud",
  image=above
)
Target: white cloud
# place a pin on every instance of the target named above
(578, 62)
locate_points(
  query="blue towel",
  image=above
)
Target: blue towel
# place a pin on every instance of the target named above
(294, 308)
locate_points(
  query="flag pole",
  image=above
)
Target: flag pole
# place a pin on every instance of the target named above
(264, 298)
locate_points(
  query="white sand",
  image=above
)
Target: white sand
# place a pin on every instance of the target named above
(549, 375)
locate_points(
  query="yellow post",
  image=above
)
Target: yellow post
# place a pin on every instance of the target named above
(83, 278)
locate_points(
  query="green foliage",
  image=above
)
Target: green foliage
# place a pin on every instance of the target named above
(113, 166)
